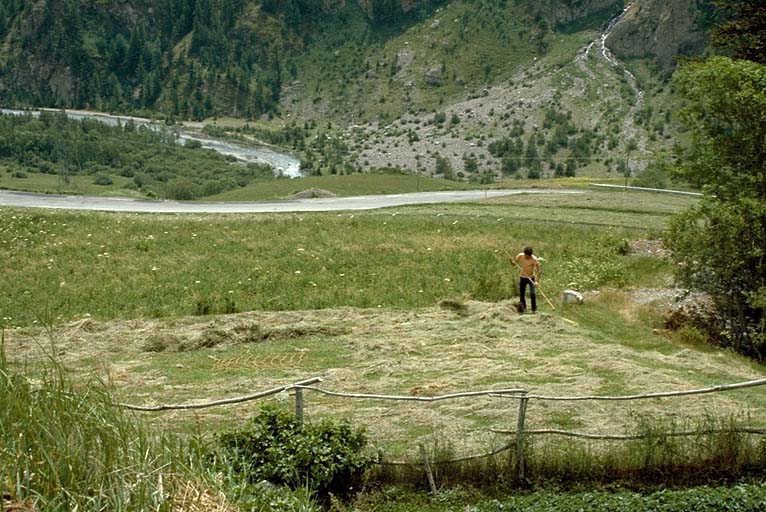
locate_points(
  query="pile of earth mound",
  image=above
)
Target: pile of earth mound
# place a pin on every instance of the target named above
(312, 193)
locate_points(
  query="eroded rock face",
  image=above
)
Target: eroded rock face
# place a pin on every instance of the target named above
(406, 5)
(658, 29)
(567, 11)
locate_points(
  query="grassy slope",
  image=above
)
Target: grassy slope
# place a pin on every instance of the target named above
(494, 71)
(476, 44)
(358, 294)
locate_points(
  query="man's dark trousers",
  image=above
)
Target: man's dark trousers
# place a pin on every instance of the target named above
(523, 283)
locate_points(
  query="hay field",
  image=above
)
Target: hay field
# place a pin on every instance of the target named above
(421, 352)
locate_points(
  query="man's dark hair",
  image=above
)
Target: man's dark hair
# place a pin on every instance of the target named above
(528, 251)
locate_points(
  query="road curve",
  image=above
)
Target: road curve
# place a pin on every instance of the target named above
(118, 204)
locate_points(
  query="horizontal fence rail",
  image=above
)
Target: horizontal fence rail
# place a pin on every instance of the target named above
(412, 398)
(665, 394)
(631, 437)
(517, 445)
(226, 401)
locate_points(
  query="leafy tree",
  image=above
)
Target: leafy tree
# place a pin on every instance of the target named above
(744, 32)
(720, 245)
(532, 158)
(444, 167)
(726, 116)
(470, 164)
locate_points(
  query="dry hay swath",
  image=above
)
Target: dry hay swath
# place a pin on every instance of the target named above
(291, 360)
(10, 506)
(196, 497)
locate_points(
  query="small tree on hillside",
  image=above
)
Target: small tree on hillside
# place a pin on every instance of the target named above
(444, 167)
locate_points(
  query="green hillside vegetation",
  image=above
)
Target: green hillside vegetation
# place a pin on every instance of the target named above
(108, 318)
(186, 58)
(51, 153)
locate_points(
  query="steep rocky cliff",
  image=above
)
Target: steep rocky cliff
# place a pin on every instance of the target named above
(660, 30)
(564, 12)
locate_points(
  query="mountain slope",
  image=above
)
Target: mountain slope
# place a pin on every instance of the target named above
(471, 87)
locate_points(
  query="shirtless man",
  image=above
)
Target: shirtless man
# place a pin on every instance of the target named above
(530, 272)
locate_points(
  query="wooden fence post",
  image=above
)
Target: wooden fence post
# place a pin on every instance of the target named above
(299, 404)
(429, 473)
(520, 435)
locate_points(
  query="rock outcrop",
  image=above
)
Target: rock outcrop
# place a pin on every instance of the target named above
(659, 29)
(563, 12)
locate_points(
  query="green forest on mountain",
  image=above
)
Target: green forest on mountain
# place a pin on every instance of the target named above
(185, 58)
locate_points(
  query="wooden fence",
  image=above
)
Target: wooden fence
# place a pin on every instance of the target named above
(523, 396)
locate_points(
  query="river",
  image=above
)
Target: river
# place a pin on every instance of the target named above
(284, 164)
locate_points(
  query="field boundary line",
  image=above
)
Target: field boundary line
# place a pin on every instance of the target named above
(631, 437)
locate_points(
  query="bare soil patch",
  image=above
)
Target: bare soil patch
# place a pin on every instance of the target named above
(312, 193)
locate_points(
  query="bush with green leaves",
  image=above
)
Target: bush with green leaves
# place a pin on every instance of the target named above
(328, 457)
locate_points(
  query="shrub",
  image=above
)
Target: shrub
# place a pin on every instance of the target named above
(275, 446)
(181, 189)
(103, 179)
(655, 176)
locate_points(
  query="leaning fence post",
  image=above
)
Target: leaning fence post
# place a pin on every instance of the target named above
(520, 434)
(429, 473)
(299, 404)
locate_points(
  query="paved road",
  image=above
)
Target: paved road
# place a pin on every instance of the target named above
(115, 204)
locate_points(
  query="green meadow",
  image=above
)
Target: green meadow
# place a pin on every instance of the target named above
(61, 266)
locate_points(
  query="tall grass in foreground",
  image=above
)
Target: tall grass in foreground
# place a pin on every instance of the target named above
(68, 448)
